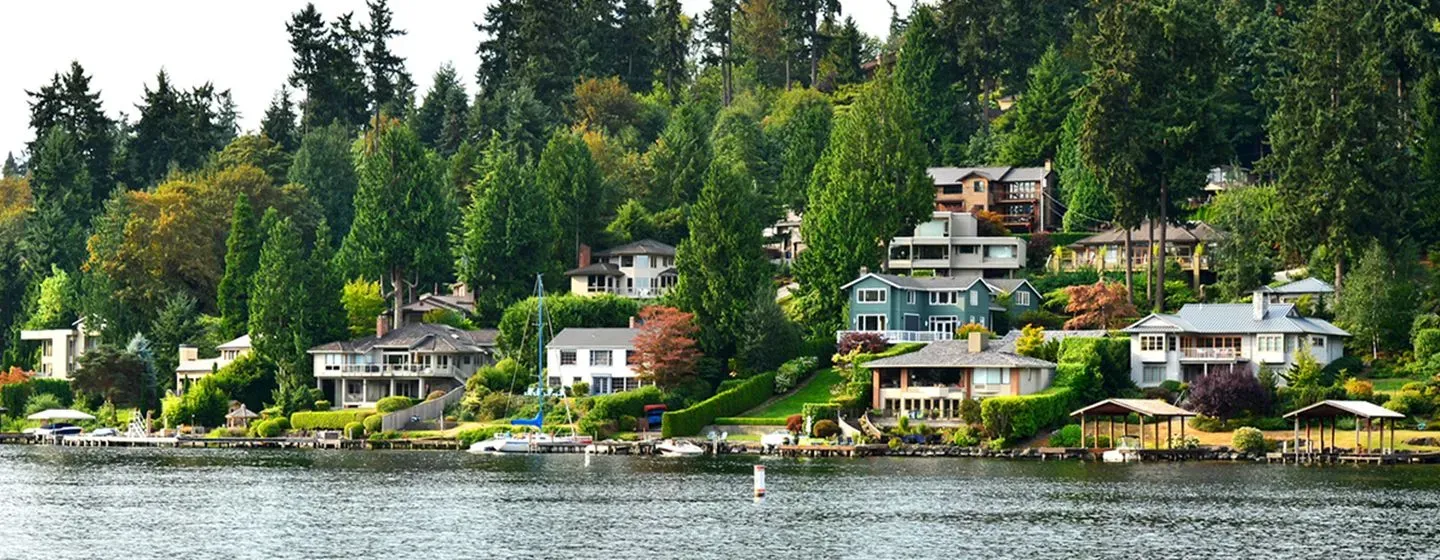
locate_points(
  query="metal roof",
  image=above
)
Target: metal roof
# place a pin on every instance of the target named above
(1234, 318)
(1301, 286)
(594, 338)
(641, 247)
(1363, 409)
(953, 175)
(956, 353)
(419, 337)
(1143, 407)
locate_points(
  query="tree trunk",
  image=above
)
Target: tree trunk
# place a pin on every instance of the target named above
(397, 283)
(1150, 261)
(787, 71)
(1339, 273)
(1129, 267)
(1160, 270)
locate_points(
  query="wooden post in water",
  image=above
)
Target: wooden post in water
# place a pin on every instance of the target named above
(1142, 432)
(1392, 435)
(1169, 432)
(1333, 421)
(1112, 431)
(1309, 442)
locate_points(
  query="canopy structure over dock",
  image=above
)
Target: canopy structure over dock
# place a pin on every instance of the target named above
(1155, 410)
(240, 417)
(1334, 410)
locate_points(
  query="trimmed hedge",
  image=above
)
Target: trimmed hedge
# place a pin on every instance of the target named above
(749, 421)
(1013, 418)
(688, 422)
(328, 420)
(393, 404)
(625, 403)
(372, 423)
(354, 430)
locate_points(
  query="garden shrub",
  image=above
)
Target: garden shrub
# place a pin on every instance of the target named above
(354, 430)
(273, 427)
(328, 420)
(624, 403)
(41, 402)
(964, 436)
(248, 379)
(1229, 392)
(1427, 343)
(970, 411)
(826, 429)
(626, 423)
(729, 384)
(322, 405)
(790, 373)
(964, 331)
(1248, 440)
(1410, 402)
(579, 389)
(1359, 389)
(1208, 424)
(1067, 436)
(385, 436)
(795, 423)
(752, 421)
(864, 342)
(689, 421)
(820, 411)
(1020, 417)
(372, 423)
(394, 403)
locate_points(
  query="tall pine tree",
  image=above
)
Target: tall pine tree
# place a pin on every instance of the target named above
(279, 122)
(506, 236)
(242, 259)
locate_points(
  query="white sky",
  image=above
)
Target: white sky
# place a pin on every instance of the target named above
(240, 46)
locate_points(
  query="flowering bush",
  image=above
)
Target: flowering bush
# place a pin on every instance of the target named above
(864, 342)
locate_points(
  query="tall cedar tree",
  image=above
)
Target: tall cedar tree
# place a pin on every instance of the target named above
(843, 56)
(1087, 202)
(176, 324)
(802, 20)
(665, 351)
(720, 44)
(327, 66)
(11, 168)
(870, 183)
(1339, 136)
(672, 43)
(279, 121)
(507, 234)
(633, 50)
(737, 135)
(325, 165)
(279, 300)
(61, 182)
(679, 157)
(799, 124)
(1037, 125)
(940, 100)
(326, 319)
(176, 129)
(575, 189)
(440, 120)
(392, 92)
(242, 259)
(67, 103)
(531, 43)
(403, 213)
(721, 265)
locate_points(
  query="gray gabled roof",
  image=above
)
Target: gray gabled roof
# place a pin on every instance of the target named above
(1234, 318)
(939, 283)
(1008, 285)
(597, 269)
(953, 175)
(956, 353)
(641, 247)
(594, 338)
(1188, 234)
(419, 337)
(1007, 343)
(1301, 286)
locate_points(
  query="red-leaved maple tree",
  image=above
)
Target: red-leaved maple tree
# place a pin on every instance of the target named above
(665, 352)
(1098, 306)
(15, 375)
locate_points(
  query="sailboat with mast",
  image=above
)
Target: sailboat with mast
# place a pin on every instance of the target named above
(527, 441)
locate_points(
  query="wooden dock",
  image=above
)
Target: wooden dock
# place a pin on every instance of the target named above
(830, 450)
(1344, 456)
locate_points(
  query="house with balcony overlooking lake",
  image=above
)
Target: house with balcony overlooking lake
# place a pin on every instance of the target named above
(1259, 335)
(910, 309)
(409, 361)
(1024, 197)
(933, 382)
(949, 244)
(598, 357)
(192, 367)
(643, 269)
(1183, 244)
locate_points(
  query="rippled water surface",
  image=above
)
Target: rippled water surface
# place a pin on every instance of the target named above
(195, 503)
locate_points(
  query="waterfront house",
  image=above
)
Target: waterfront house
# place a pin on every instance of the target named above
(1259, 335)
(950, 245)
(910, 309)
(1320, 292)
(1022, 196)
(933, 381)
(1106, 250)
(410, 361)
(192, 367)
(1024, 297)
(61, 348)
(782, 239)
(642, 269)
(600, 358)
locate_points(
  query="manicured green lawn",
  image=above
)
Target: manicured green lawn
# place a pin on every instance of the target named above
(815, 390)
(1391, 385)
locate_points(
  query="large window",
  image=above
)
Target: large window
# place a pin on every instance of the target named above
(567, 357)
(992, 376)
(943, 298)
(999, 252)
(600, 357)
(979, 186)
(1152, 342)
(869, 322)
(1270, 343)
(944, 323)
(1152, 373)
(953, 189)
(910, 297)
(974, 298)
(627, 261)
(870, 295)
(1022, 298)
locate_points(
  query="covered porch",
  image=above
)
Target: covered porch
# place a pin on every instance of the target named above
(365, 392)
(921, 393)
(1365, 414)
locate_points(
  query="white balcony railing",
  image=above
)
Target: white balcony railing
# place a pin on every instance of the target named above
(894, 337)
(1209, 353)
(390, 370)
(628, 292)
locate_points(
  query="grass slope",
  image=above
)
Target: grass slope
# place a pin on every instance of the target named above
(815, 390)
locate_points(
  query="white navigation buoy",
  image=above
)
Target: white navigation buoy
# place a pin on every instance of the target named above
(759, 481)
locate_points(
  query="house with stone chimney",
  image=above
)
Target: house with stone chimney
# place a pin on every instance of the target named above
(932, 382)
(410, 361)
(1201, 337)
(643, 269)
(192, 367)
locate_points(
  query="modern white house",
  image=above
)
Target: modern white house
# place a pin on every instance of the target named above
(410, 361)
(642, 269)
(61, 348)
(1259, 335)
(599, 358)
(192, 367)
(950, 245)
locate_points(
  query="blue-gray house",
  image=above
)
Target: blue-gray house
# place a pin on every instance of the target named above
(910, 309)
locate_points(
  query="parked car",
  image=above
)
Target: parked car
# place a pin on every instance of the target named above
(58, 430)
(105, 432)
(777, 438)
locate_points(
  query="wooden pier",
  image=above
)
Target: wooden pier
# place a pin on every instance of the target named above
(1345, 456)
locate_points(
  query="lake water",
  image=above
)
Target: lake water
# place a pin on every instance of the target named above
(69, 503)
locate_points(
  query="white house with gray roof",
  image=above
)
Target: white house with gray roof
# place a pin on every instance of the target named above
(410, 361)
(1259, 335)
(932, 382)
(600, 358)
(642, 269)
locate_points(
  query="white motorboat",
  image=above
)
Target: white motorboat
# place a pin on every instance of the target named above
(1128, 451)
(674, 448)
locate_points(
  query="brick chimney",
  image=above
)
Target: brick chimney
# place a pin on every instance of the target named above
(1260, 304)
(864, 270)
(582, 260)
(978, 342)
(382, 325)
(189, 353)
(632, 321)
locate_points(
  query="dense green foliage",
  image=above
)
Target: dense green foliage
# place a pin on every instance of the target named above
(328, 420)
(518, 326)
(1016, 418)
(689, 421)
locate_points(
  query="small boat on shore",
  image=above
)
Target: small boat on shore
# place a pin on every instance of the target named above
(674, 448)
(1128, 451)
